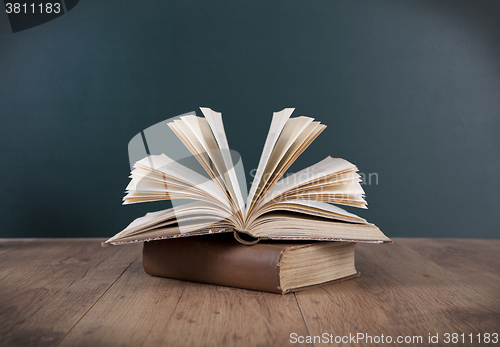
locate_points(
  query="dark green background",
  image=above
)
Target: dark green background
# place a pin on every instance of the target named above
(410, 90)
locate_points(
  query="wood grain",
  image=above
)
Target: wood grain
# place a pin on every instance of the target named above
(476, 262)
(47, 286)
(9, 244)
(161, 311)
(399, 293)
(75, 293)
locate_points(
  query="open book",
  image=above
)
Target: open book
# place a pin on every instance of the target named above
(296, 207)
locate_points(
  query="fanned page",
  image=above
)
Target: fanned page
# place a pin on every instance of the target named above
(311, 207)
(206, 140)
(284, 225)
(293, 128)
(277, 124)
(158, 177)
(332, 180)
(215, 121)
(193, 144)
(295, 137)
(187, 220)
(294, 208)
(303, 140)
(322, 222)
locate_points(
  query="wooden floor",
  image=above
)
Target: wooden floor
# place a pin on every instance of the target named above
(76, 293)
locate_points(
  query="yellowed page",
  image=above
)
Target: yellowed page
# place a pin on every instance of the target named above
(277, 124)
(201, 129)
(297, 147)
(311, 207)
(192, 144)
(180, 213)
(167, 166)
(284, 226)
(326, 167)
(293, 128)
(215, 121)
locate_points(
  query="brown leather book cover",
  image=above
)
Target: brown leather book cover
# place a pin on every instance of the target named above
(219, 259)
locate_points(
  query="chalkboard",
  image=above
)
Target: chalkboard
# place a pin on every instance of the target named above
(410, 91)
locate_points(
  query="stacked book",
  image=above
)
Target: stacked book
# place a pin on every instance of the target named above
(286, 234)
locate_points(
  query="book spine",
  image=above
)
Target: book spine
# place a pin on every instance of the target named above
(222, 263)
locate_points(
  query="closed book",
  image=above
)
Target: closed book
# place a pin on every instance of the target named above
(277, 267)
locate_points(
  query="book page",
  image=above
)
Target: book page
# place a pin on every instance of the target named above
(192, 144)
(148, 189)
(327, 167)
(154, 223)
(277, 124)
(288, 225)
(293, 128)
(330, 180)
(311, 207)
(167, 166)
(201, 129)
(144, 174)
(215, 121)
(297, 147)
(323, 206)
(344, 188)
(149, 185)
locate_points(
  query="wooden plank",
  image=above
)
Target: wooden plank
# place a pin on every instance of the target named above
(46, 286)
(9, 244)
(476, 262)
(245, 318)
(400, 293)
(458, 255)
(64, 292)
(134, 307)
(141, 310)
